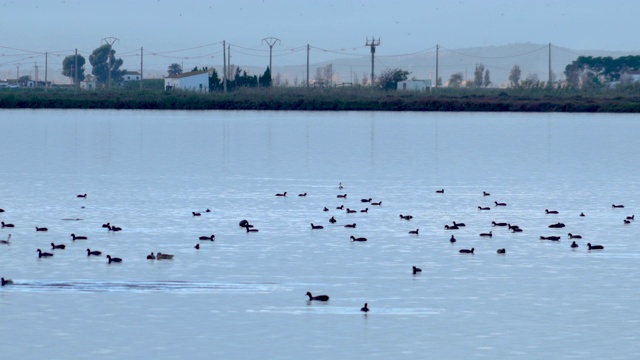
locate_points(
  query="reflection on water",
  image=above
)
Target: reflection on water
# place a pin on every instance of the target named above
(142, 286)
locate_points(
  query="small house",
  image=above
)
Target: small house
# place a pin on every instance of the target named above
(131, 76)
(414, 85)
(191, 81)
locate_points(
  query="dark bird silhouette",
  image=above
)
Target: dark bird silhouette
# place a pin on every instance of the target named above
(43, 254)
(317, 298)
(113, 259)
(94, 253)
(41, 229)
(501, 251)
(595, 247)
(353, 238)
(211, 238)
(316, 227)
(467, 251)
(416, 270)
(59, 246)
(557, 226)
(365, 308)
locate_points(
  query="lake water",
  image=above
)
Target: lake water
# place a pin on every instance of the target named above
(243, 295)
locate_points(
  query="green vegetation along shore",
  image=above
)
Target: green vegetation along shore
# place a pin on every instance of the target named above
(623, 100)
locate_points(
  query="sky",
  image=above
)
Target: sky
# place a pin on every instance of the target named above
(191, 32)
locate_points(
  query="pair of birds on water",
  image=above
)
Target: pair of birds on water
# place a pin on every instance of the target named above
(365, 308)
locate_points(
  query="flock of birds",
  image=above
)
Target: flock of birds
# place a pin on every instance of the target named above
(454, 226)
(323, 298)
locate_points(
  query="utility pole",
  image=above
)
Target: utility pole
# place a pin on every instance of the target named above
(549, 83)
(75, 72)
(141, 64)
(224, 66)
(46, 69)
(308, 48)
(36, 79)
(271, 41)
(110, 41)
(372, 43)
(18, 73)
(437, 48)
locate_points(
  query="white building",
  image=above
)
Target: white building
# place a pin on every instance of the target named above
(88, 85)
(131, 76)
(414, 85)
(192, 81)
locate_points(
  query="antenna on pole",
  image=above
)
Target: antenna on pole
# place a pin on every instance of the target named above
(110, 41)
(271, 41)
(372, 43)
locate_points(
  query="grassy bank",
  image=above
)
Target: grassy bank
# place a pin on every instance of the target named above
(350, 99)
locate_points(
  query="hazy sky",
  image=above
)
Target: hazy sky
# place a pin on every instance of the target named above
(166, 27)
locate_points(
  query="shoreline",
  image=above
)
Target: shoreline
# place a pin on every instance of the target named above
(352, 99)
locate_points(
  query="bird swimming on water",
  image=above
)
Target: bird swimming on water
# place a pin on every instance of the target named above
(317, 298)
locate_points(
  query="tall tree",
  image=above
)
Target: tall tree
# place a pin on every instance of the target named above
(103, 60)
(455, 80)
(174, 69)
(215, 83)
(389, 78)
(478, 75)
(265, 79)
(487, 78)
(68, 68)
(514, 76)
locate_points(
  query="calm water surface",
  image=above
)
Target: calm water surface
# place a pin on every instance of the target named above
(242, 296)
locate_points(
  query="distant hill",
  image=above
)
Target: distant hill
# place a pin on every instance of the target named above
(499, 60)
